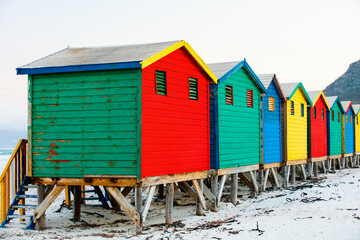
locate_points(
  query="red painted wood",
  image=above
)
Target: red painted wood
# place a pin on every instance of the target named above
(175, 129)
(318, 130)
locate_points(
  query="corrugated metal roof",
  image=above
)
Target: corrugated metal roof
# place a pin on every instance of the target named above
(356, 108)
(100, 55)
(266, 79)
(288, 88)
(313, 95)
(220, 69)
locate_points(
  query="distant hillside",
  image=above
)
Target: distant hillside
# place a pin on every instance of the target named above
(347, 86)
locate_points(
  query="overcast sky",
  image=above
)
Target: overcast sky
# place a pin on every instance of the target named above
(312, 41)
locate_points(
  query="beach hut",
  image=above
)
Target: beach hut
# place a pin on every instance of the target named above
(317, 129)
(349, 131)
(273, 130)
(122, 116)
(349, 127)
(235, 122)
(357, 132)
(334, 130)
(296, 124)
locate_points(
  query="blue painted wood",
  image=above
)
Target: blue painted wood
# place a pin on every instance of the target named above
(214, 129)
(349, 132)
(272, 126)
(79, 68)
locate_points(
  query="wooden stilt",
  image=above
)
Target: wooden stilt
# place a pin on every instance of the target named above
(303, 171)
(287, 176)
(186, 188)
(138, 207)
(293, 174)
(40, 209)
(77, 202)
(266, 175)
(128, 208)
(234, 188)
(199, 208)
(41, 225)
(207, 192)
(169, 203)
(147, 203)
(254, 182)
(309, 167)
(261, 180)
(114, 204)
(221, 187)
(214, 189)
(316, 172)
(275, 178)
(323, 166)
(67, 196)
(199, 193)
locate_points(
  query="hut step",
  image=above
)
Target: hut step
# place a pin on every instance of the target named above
(25, 206)
(20, 196)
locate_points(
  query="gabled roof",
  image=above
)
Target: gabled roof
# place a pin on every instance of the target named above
(266, 80)
(105, 58)
(225, 69)
(290, 89)
(315, 95)
(332, 100)
(356, 108)
(347, 105)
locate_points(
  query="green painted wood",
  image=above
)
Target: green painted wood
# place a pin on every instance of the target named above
(239, 125)
(86, 123)
(335, 132)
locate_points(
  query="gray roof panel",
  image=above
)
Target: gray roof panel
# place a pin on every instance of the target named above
(220, 69)
(331, 100)
(266, 79)
(356, 108)
(100, 55)
(313, 95)
(288, 88)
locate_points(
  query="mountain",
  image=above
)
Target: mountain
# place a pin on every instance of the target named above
(347, 86)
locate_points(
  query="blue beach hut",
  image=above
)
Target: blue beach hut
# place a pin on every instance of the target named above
(272, 130)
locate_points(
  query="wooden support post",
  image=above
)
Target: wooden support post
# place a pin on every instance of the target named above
(199, 193)
(147, 203)
(138, 207)
(275, 178)
(77, 202)
(41, 225)
(199, 208)
(67, 196)
(309, 167)
(254, 182)
(209, 195)
(186, 188)
(323, 166)
(128, 208)
(316, 172)
(261, 180)
(114, 204)
(214, 189)
(293, 174)
(333, 165)
(221, 187)
(339, 163)
(287, 175)
(330, 165)
(169, 203)
(266, 175)
(234, 188)
(303, 171)
(40, 209)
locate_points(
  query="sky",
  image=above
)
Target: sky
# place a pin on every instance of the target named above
(308, 41)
